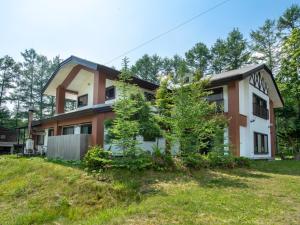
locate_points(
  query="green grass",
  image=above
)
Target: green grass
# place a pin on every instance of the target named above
(36, 191)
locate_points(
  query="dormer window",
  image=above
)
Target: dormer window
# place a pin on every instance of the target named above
(149, 96)
(82, 101)
(110, 93)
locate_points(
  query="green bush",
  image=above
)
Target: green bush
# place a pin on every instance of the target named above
(218, 159)
(242, 161)
(97, 158)
(139, 162)
(196, 161)
(160, 160)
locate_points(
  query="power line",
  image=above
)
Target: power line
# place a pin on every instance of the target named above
(168, 31)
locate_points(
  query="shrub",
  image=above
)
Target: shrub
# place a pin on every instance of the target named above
(132, 163)
(242, 161)
(160, 160)
(196, 161)
(218, 159)
(97, 158)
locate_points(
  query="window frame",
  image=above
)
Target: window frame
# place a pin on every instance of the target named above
(86, 125)
(107, 89)
(40, 140)
(49, 132)
(66, 127)
(264, 137)
(258, 108)
(82, 96)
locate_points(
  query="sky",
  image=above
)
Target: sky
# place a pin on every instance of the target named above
(100, 30)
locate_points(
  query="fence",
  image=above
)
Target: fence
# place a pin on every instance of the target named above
(68, 147)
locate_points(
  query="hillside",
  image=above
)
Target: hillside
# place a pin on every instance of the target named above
(35, 191)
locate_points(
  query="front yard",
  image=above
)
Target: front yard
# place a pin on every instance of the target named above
(35, 191)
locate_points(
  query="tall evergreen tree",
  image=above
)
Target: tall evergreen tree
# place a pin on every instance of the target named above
(198, 58)
(290, 19)
(218, 56)
(172, 66)
(237, 53)
(288, 78)
(265, 45)
(148, 67)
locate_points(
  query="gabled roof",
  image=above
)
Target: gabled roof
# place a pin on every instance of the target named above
(95, 66)
(242, 73)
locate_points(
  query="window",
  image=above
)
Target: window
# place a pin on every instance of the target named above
(40, 140)
(260, 107)
(82, 101)
(68, 130)
(149, 96)
(260, 143)
(217, 97)
(2, 137)
(51, 132)
(110, 93)
(86, 129)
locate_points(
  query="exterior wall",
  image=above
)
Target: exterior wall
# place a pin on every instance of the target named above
(254, 123)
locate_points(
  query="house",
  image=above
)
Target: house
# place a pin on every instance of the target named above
(248, 95)
(8, 139)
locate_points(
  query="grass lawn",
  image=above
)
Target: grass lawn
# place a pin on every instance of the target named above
(35, 191)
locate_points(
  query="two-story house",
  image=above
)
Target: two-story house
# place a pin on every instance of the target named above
(248, 95)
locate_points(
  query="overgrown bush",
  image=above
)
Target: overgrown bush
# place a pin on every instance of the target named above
(160, 160)
(218, 159)
(242, 161)
(132, 163)
(97, 158)
(196, 161)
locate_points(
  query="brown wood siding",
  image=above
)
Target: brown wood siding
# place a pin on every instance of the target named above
(272, 129)
(234, 116)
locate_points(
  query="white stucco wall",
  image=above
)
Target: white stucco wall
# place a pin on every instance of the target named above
(254, 123)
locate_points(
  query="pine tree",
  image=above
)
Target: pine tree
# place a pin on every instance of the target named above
(198, 58)
(237, 53)
(290, 19)
(265, 45)
(218, 56)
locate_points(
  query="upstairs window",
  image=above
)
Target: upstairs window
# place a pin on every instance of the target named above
(82, 101)
(86, 129)
(68, 130)
(217, 97)
(110, 93)
(260, 107)
(260, 143)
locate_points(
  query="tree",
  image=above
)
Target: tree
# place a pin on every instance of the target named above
(164, 104)
(195, 120)
(8, 73)
(237, 53)
(265, 45)
(218, 56)
(172, 65)
(148, 68)
(290, 19)
(288, 79)
(198, 57)
(125, 128)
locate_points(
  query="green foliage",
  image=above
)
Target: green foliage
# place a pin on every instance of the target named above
(195, 120)
(288, 118)
(290, 18)
(218, 56)
(148, 67)
(242, 162)
(221, 160)
(133, 163)
(196, 161)
(198, 57)
(97, 158)
(265, 44)
(160, 160)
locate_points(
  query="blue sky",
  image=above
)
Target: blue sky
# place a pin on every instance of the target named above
(100, 30)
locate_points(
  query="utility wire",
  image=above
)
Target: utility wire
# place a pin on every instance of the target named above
(168, 31)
